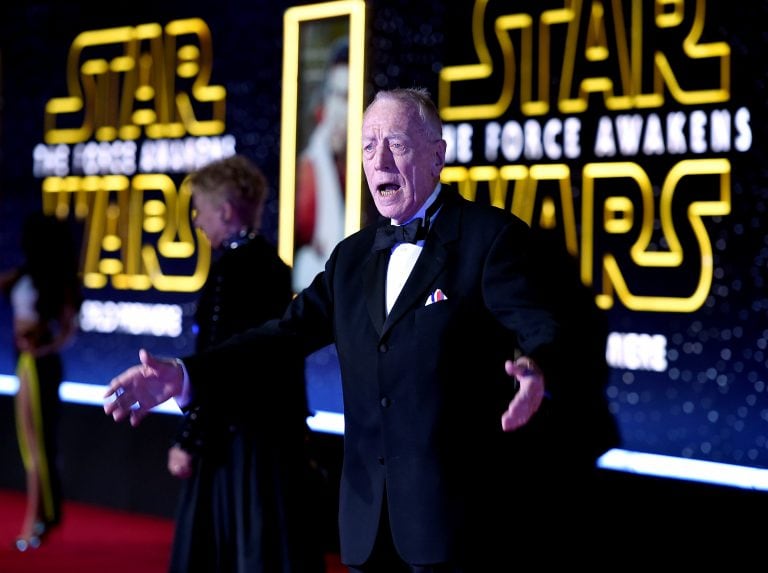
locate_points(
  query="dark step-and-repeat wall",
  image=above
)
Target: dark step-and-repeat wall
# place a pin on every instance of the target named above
(632, 131)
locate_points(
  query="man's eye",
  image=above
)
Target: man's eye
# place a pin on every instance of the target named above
(397, 148)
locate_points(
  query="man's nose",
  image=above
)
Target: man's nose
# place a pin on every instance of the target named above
(382, 156)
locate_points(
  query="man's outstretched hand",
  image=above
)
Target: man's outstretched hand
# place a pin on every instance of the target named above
(142, 387)
(528, 398)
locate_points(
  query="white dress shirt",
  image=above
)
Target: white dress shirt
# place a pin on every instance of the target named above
(404, 255)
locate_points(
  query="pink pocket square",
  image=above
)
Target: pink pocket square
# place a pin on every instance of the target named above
(436, 296)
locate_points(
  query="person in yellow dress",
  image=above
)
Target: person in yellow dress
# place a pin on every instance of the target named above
(45, 298)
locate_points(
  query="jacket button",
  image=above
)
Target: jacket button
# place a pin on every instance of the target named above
(383, 347)
(381, 460)
(385, 402)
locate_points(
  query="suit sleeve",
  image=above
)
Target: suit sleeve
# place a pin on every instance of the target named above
(509, 292)
(264, 365)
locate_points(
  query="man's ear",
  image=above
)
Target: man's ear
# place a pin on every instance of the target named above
(439, 158)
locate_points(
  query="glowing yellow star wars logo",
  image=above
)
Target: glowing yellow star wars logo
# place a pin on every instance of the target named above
(638, 87)
(129, 80)
(140, 107)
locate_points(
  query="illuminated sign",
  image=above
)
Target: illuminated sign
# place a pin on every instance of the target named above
(296, 20)
(141, 108)
(643, 178)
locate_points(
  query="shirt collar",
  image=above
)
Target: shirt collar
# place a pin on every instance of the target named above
(423, 209)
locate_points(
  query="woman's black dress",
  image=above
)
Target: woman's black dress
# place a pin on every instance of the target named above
(249, 505)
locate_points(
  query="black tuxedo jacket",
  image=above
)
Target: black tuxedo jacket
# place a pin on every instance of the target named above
(424, 388)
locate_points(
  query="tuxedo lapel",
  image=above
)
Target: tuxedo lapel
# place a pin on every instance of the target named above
(431, 260)
(375, 276)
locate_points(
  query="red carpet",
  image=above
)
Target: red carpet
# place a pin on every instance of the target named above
(92, 539)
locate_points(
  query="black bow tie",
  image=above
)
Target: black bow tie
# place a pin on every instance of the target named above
(387, 236)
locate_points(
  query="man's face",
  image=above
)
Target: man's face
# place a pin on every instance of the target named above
(402, 165)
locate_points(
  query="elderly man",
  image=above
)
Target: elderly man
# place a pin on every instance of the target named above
(428, 310)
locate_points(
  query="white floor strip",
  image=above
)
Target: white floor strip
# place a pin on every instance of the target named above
(617, 459)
